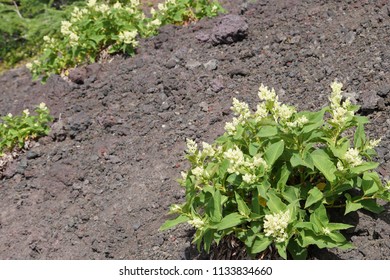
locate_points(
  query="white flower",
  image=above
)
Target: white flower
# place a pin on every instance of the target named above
(236, 159)
(198, 172)
(266, 94)
(261, 112)
(73, 38)
(249, 178)
(230, 127)
(300, 122)
(65, 27)
(183, 175)
(208, 149)
(117, 5)
(175, 208)
(335, 97)
(128, 37)
(26, 112)
(156, 22)
(9, 115)
(134, 2)
(340, 166)
(102, 8)
(326, 230)
(196, 222)
(240, 109)
(29, 66)
(283, 111)
(162, 7)
(214, 8)
(152, 11)
(91, 3)
(373, 143)
(42, 106)
(259, 161)
(192, 147)
(352, 157)
(275, 225)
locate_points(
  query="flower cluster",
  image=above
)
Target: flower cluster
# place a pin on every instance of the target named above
(248, 167)
(340, 112)
(275, 225)
(128, 37)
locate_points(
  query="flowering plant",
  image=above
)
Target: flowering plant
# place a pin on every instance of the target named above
(101, 28)
(273, 176)
(16, 130)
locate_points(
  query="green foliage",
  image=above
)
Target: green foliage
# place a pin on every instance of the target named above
(271, 179)
(110, 28)
(23, 25)
(16, 130)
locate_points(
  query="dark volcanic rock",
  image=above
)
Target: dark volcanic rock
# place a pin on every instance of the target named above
(230, 29)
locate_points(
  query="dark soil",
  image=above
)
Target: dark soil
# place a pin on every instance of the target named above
(100, 185)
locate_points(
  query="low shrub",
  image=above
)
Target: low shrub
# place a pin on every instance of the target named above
(101, 28)
(273, 176)
(16, 130)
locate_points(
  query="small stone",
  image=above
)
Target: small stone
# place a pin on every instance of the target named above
(202, 36)
(211, 65)
(216, 85)
(370, 101)
(204, 106)
(32, 155)
(350, 37)
(171, 63)
(192, 64)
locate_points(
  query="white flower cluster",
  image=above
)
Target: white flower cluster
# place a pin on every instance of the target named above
(197, 223)
(246, 167)
(373, 143)
(77, 14)
(236, 159)
(340, 112)
(352, 157)
(208, 150)
(240, 109)
(266, 94)
(192, 147)
(275, 225)
(128, 37)
(300, 122)
(283, 112)
(67, 31)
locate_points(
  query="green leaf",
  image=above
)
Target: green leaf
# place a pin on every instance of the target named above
(242, 206)
(253, 148)
(369, 185)
(260, 244)
(231, 220)
(283, 174)
(364, 167)
(315, 195)
(323, 163)
(273, 152)
(315, 120)
(171, 223)
(359, 138)
(297, 160)
(350, 205)
(282, 249)
(291, 194)
(216, 207)
(337, 226)
(372, 205)
(296, 251)
(267, 131)
(275, 204)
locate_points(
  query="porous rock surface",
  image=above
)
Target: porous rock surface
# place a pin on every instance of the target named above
(99, 186)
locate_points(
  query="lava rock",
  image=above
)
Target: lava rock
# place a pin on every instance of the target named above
(230, 29)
